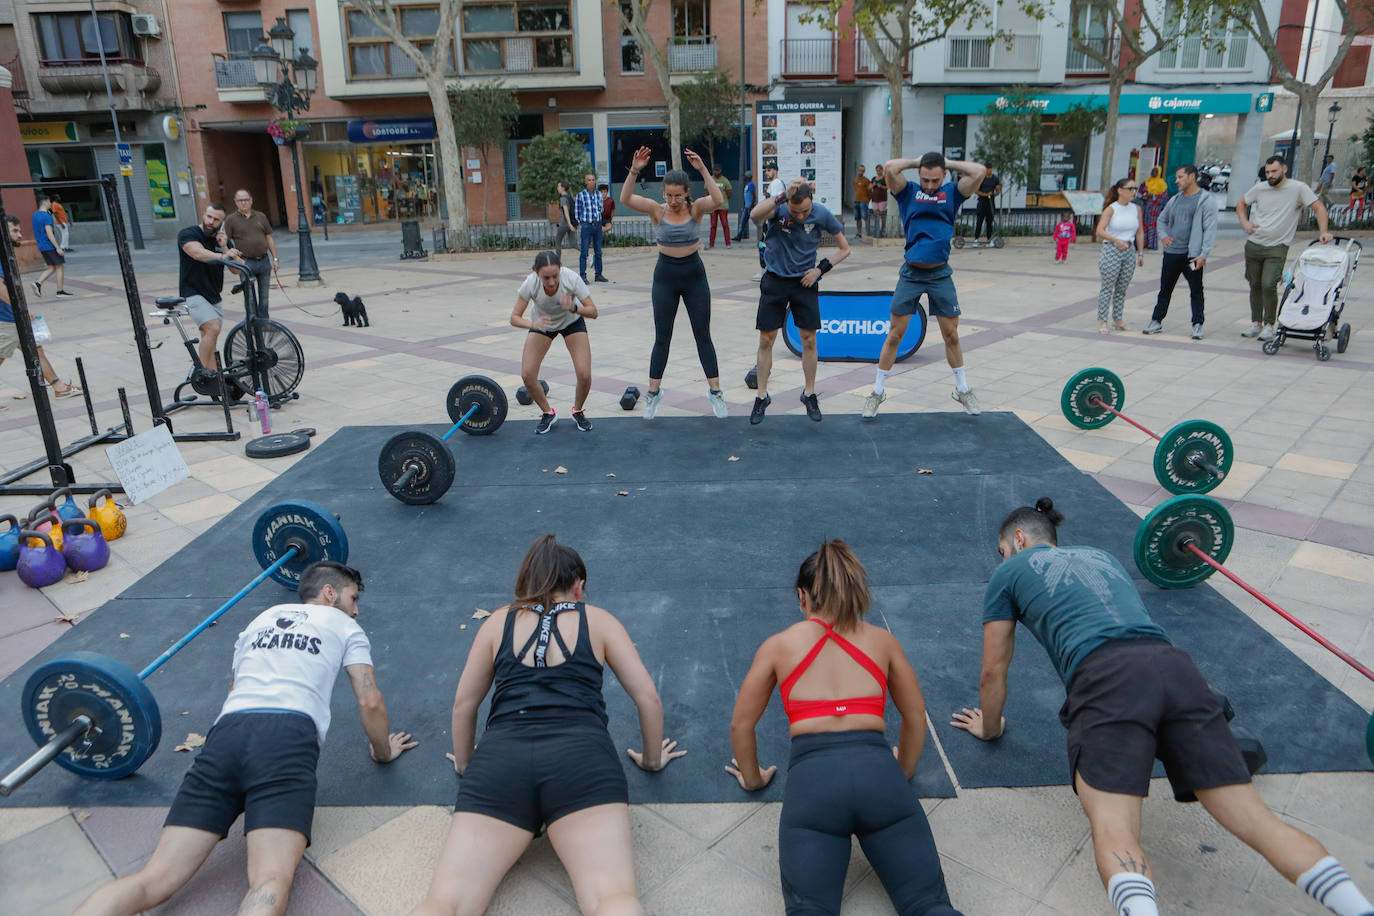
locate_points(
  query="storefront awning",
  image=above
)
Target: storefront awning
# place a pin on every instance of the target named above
(1135, 103)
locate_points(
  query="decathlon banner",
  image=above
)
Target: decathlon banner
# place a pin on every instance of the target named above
(854, 326)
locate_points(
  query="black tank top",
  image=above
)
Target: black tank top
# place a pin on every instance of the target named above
(574, 684)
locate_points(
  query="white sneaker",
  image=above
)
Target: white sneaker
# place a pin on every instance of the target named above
(757, 277)
(1267, 332)
(1252, 331)
(651, 400)
(718, 405)
(968, 399)
(1197, 332)
(871, 404)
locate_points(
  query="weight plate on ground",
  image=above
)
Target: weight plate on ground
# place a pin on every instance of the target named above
(1183, 449)
(119, 705)
(1078, 400)
(435, 468)
(303, 524)
(1160, 551)
(489, 398)
(277, 445)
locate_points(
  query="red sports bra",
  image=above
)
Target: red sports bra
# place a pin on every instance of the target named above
(814, 709)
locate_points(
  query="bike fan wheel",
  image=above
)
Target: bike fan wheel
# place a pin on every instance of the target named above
(281, 358)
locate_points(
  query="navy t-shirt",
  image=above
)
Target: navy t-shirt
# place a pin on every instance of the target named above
(789, 248)
(928, 221)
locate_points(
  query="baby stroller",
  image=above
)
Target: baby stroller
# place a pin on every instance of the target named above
(1314, 297)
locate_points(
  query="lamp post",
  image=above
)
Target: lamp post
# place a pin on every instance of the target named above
(288, 80)
(1332, 114)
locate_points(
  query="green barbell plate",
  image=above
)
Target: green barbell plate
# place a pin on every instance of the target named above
(1161, 553)
(1182, 452)
(1077, 399)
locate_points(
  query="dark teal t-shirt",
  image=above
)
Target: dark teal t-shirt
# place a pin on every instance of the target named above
(1073, 599)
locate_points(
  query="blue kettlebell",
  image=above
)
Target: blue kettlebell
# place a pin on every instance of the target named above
(40, 566)
(85, 551)
(68, 509)
(9, 544)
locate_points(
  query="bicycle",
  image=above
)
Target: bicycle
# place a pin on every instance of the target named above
(258, 352)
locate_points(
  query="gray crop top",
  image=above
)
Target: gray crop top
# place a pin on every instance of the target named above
(677, 236)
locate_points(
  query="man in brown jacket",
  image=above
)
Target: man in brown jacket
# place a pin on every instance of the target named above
(250, 232)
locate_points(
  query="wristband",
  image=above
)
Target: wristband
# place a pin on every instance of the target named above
(634, 171)
(824, 265)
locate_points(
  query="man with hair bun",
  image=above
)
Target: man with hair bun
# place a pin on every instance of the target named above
(1133, 697)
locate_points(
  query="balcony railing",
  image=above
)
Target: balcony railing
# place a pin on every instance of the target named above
(1077, 62)
(19, 86)
(808, 57)
(689, 54)
(990, 52)
(866, 62)
(234, 72)
(83, 75)
(1225, 52)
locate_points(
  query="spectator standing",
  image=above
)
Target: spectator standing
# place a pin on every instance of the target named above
(862, 190)
(250, 232)
(607, 207)
(721, 214)
(1122, 236)
(751, 197)
(1359, 193)
(64, 225)
(566, 221)
(9, 334)
(1327, 180)
(877, 203)
(1187, 229)
(1064, 235)
(1155, 194)
(775, 185)
(45, 233)
(588, 213)
(988, 189)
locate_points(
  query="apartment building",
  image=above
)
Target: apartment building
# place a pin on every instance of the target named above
(53, 51)
(371, 156)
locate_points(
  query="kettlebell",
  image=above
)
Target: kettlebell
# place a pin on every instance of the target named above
(44, 515)
(111, 520)
(68, 509)
(9, 544)
(40, 566)
(86, 551)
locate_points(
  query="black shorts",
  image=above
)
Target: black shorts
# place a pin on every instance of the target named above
(533, 771)
(577, 327)
(53, 257)
(1131, 701)
(776, 294)
(259, 764)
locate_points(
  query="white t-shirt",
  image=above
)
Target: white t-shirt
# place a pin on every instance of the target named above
(776, 187)
(1123, 222)
(549, 306)
(289, 658)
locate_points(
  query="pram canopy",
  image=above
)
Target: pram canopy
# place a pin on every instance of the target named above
(1318, 288)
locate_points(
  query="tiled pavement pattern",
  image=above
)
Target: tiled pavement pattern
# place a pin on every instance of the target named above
(1302, 494)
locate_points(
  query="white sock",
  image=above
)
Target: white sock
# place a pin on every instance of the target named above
(960, 383)
(1329, 884)
(1132, 894)
(879, 381)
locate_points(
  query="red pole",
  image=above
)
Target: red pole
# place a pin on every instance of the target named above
(1105, 406)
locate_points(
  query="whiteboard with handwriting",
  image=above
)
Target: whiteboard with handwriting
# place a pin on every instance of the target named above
(148, 463)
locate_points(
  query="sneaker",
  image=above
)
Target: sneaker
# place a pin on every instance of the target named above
(581, 420)
(546, 422)
(968, 399)
(1252, 331)
(757, 277)
(813, 407)
(38, 289)
(718, 405)
(1197, 332)
(760, 405)
(1267, 332)
(63, 292)
(651, 400)
(1154, 327)
(601, 279)
(871, 404)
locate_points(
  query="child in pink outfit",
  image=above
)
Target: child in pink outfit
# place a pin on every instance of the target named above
(1064, 235)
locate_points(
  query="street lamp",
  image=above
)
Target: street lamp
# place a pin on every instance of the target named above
(1332, 114)
(288, 81)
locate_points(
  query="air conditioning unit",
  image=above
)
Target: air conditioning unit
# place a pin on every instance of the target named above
(146, 26)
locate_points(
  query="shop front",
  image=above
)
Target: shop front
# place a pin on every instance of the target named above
(374, 171)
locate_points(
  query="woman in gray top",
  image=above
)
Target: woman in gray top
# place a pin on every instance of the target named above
(562, 303)
(679, 274)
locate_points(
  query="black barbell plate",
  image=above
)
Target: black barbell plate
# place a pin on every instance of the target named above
(417, 449)
(489, 398)
(303, 524)
(1208, 441)
(1160, 551)
(1077, 398)
(120, 706)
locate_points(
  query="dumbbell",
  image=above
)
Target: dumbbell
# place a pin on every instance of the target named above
(1187, 538)
(523, 397)
(751, 378)
(1192, 457)
(95, 716)
(630, 398)
(1250, 747)
(416, 467)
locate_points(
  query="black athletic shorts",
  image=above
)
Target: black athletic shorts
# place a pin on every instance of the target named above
(543, 766)
(1131, 701)
(577, 327)
(52, 257)
(257, 763)
(776, 294)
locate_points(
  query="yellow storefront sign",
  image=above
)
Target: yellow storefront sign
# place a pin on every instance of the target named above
(49, 132)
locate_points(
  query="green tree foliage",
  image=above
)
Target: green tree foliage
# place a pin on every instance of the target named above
(549, 159)
(1367, 141)
(1008, 140)
(484, 114)
(633, 16)
(709, 110)
(1082, 120)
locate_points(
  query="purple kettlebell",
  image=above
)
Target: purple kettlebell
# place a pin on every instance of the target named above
(40, 566)
(9, 544)
(86, 551)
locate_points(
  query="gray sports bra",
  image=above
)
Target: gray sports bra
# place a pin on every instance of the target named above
(677, 236)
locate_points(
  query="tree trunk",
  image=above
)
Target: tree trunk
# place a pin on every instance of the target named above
(1114, 86)
(486, 176)
(1306, 154)
(894, 124)
(451, 160)
(658, 60)
(674, 124)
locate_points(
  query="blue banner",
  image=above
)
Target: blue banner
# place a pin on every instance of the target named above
(1131, 102)
(854, 326)
(401, 130)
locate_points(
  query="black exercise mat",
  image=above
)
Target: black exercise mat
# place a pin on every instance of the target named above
(697, 559)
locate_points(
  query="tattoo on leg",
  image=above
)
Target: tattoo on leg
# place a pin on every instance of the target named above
(1130, 863)
(260, 896)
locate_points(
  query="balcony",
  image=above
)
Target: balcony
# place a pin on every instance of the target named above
(806, 58)
(19, 86)
(1076, 63)
(82, 76)
(234, 72)
(866, 62)
(690, 54)
(1221, 52)
(991, 52)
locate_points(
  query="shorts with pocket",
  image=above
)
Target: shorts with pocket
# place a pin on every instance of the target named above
(203, 311)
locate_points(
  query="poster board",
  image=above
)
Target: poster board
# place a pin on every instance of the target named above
(148, 463)
(803, 139)
(1084, 203)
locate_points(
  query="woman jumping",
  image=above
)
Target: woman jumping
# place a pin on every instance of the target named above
(562, 303)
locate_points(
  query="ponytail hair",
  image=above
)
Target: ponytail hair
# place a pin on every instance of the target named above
(548, 567)
(1040, 522)
(837, 584)
(547, 259)
(1113, 193)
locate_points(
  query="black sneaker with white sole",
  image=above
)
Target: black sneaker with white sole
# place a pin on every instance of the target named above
(582, 422)
(813, 407)
(760, 405)
(546, 422)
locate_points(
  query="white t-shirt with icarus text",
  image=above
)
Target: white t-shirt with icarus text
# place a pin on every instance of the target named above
(289, 658)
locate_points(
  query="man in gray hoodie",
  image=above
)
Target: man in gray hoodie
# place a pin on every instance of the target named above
(1187, 229)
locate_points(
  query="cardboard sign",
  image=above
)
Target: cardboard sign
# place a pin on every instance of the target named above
(148, 463)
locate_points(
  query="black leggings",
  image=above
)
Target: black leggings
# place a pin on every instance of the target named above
(685, 279)
(848, 783)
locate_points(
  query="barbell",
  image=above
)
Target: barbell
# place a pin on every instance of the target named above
(1192, 457)
(416, 467)
(95, 716)
(1187, 538)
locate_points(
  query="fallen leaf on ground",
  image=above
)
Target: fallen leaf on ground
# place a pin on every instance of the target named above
(610, 475)
(192, 742)
(462, 626)
(63, 617)
(481, 614)
(623, 493)
(924, 471)
(123, 635)
(734, 457)
(82, 816)
(560, 470)
(74, 577)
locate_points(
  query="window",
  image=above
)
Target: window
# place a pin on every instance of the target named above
(1201, 45)
(371, 54)
(299, 20)
(242, 33)
(72, 38)
(631, 55)
(691, 18)
(534, 35)
(1092, 26)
